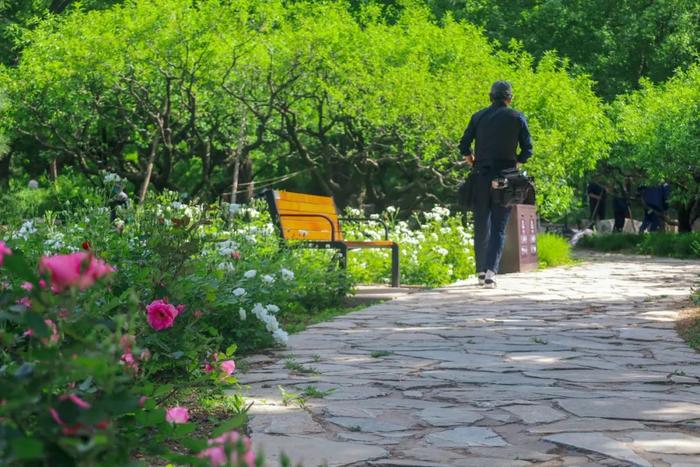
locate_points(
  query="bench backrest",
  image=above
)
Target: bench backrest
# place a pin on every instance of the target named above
(305, 217)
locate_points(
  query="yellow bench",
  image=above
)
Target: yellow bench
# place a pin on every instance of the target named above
(314, 221)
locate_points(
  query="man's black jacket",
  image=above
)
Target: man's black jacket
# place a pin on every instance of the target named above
(498, 131)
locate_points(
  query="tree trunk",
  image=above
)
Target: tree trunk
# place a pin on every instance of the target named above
(149, 169)
(54, 169)
(685, 223)
(234, 180)
(5, 169)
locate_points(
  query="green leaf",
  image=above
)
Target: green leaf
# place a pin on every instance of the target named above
(234, 423)
(27, 448)
(163, 389)
(17, 264)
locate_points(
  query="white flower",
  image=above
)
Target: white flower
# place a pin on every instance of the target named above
(268, 279)
(250, 274)
(227, 247)
(118, 223)
(272, 325)
(259, 311)
(33, 185)
(177, 205)
(286, 274)
(374, 216)
(390, 209)
(441, 251)
(25, 230)
(239, 292)
(280, 336)
(272, 308)
(112, 178)
(241, 314)
(226, 266)
(233, 208)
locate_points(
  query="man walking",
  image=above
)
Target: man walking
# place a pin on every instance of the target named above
(498, 131)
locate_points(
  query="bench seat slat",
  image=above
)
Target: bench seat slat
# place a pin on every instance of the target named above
(286, 207)
(304, 198)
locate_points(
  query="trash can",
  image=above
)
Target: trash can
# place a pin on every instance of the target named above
(520, 251)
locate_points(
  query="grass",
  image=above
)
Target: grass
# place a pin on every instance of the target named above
(297, 322)
(553, 250)
(689, 326)
(291, 364)
(683, 245)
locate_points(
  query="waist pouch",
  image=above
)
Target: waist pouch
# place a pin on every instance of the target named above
(513, 187)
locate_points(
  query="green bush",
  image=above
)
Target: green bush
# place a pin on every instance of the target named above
(435, 248)
(675, 245)
(611, 242)
(553, 250)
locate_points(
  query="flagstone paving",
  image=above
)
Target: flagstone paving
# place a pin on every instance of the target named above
(568, 366)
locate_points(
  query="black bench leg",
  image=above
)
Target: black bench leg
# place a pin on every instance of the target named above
(343, 256)
(395, 268)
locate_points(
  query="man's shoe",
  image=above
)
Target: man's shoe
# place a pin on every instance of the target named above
(482, 278)
(490, 279)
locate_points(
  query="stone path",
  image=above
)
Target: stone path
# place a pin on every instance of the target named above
(567, 366)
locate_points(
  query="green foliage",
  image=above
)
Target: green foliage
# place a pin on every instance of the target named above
(69, 394)
(553, 250)
(617, 42)
(683, 245)
(367, 109)
(435, 248)
(660, 134)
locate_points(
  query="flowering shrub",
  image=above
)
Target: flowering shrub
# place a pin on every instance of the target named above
(71, 389)
(435, 247)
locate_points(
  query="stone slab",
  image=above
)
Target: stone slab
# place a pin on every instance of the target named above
(449, 416)
(531, 414)
(666, 442)
(600, 443)
(625, 409)
(315, 451)
(464, 437)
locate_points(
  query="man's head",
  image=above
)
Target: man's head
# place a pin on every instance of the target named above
(501, 92)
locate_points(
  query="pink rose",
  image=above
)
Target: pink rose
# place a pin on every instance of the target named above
(77, 269)
(161, 314)
(177, 415)
(126, 341)
(54, 333)
(24, 301)
(207, 367)
(228, 367)
(76, 400)
(28, 286)
(52, 339)
(216, 453)
(236, 255)
(129, 361)
(4, 251)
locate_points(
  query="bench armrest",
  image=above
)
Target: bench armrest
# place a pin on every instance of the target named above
(368, 219)
(321, 216)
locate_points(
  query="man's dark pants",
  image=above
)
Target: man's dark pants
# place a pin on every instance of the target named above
(490, 221)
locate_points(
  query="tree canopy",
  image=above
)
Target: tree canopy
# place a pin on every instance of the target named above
(660, 136)
(344, 102)
(617, 41)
